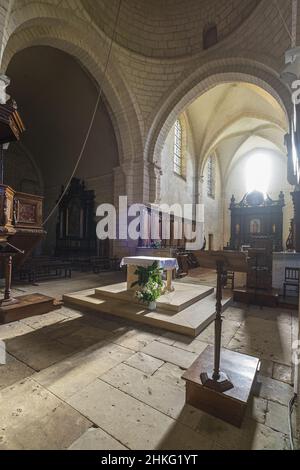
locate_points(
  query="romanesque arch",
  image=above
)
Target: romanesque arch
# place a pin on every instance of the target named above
(202, 80)
(56, 27)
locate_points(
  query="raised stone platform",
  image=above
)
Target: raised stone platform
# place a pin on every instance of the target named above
(187, 310)
(182, 297)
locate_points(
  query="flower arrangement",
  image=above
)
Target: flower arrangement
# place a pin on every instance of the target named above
(150, 283)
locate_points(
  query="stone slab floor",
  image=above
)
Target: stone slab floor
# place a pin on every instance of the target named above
(77, 380)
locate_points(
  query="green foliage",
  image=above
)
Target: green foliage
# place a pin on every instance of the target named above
(148, 273)
(150, 282)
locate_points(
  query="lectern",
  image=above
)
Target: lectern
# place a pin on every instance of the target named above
(220, 381)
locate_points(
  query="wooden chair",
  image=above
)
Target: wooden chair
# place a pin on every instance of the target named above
(291, 279)
(183, 266)
(228, 276)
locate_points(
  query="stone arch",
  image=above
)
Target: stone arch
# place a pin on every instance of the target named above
(214, 142)
(57, 28)
(189, 140)
(201, 81)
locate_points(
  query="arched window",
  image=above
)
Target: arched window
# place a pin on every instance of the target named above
(178, 158)
(211, 177)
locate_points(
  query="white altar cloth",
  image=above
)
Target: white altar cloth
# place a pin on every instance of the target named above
(167, 264)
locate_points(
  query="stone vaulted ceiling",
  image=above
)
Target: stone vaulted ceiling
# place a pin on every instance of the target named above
(168, 28)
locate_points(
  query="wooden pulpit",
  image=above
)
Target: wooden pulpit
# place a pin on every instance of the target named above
(21, 227)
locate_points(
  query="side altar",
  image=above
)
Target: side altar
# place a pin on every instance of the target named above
(182, 307)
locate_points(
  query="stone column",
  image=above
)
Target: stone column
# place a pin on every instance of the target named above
(136, 181)
(131, 179)
(5, 11)
(155, 174)
(200, 185)
(296, 201)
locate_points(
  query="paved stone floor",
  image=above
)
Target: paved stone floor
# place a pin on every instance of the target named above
(88, 381)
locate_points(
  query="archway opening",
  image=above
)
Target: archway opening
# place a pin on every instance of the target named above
(234, 146)
(56, 98)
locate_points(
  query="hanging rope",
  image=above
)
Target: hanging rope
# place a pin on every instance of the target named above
(92, 118)
(284, 22)
(294, 22)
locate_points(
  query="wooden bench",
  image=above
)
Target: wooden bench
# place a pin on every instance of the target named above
(38, 269)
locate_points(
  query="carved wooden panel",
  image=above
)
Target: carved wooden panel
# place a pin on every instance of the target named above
(28, 211)
(6, 208)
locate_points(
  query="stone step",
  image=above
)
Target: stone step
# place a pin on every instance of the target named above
(190, 321)
(182, 297)
(27, 306)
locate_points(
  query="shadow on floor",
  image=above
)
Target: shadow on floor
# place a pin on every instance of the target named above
(197, 430)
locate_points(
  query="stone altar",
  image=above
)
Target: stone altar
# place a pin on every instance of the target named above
(167, 264)
(183, 308)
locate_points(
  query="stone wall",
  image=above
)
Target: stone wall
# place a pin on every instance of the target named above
(157, 68)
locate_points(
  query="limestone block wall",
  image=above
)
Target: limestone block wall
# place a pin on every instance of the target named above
(21, 171)
(213, 214)
(177, 189)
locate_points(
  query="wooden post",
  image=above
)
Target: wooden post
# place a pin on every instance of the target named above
(8, 273)
(1, 164)
(217, 380)
(8, 299)
(218, 321)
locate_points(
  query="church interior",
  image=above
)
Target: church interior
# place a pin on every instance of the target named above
(155, 342)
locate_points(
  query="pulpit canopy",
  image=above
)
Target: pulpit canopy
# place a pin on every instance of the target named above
(11, 124)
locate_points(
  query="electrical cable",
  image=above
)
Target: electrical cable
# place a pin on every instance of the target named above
(92, 119)
(290, 412)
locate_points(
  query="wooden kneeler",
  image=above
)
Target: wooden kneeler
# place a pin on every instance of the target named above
(220, 381)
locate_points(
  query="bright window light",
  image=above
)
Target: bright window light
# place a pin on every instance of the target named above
(258, 172)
